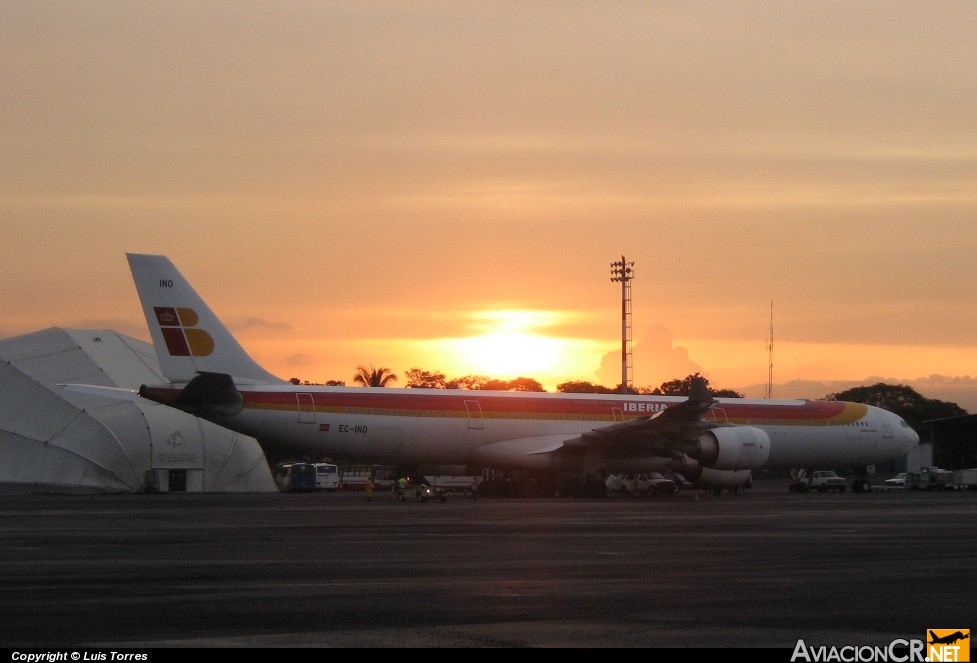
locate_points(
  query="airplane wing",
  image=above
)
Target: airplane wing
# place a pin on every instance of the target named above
(674, 426)
(669, 434)
(678, 438)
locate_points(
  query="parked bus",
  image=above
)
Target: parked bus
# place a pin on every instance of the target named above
(326, 476)
(353, 477)
(296, 477)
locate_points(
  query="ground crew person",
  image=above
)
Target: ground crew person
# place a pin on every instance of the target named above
(368, 487)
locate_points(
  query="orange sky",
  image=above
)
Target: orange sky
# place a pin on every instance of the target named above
(353, 183)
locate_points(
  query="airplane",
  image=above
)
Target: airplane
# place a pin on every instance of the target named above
(947, 639)
(715, 443)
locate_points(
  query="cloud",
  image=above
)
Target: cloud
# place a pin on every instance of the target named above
(961, 390)
(299, 360)
(658, 359)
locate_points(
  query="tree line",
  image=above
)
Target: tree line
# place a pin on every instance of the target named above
(417, 378)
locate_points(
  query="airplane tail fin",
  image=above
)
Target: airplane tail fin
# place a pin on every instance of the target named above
(188, 337)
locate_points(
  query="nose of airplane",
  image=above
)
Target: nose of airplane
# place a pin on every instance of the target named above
(907, 435)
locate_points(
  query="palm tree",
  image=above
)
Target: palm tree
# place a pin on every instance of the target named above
(373, 377)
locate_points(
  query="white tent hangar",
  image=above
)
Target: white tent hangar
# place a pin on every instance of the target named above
(55, 440)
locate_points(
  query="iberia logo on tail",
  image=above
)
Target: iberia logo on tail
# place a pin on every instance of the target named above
(183, 339)
(944, 644)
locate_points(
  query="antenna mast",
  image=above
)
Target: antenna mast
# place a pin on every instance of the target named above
(770, 356)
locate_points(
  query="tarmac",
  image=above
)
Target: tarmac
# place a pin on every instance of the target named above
(694, 570)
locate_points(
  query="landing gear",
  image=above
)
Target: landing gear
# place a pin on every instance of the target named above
(861, 483)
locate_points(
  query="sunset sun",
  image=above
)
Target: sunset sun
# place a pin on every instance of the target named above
(506, 354)
(509, 343)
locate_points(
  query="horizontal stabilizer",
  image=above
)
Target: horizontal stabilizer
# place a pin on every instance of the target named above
(117, 393)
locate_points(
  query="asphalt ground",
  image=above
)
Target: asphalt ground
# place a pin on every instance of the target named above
(693, 570)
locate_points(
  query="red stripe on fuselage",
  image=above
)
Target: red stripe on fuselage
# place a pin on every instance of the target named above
(384, 402)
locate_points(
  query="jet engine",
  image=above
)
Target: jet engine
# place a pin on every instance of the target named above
(723, 456)
(731, 448)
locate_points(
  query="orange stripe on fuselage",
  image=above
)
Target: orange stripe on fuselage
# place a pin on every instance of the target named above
(810, 413)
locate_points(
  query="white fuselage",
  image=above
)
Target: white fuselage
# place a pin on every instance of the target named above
(446, 427)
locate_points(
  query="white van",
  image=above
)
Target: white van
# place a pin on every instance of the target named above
(326, 476)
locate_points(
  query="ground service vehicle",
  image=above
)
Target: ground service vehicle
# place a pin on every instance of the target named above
(965, 479)
(930, 478)
(683, 483)
(421, 493)
(819, 480)
(452, 483)
(825, 480)
(898, 481)
(651, 483)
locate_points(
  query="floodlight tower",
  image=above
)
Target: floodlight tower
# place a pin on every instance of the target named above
(770, 356)
(622, 272)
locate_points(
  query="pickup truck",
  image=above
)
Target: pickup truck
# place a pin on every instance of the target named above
(652, 483)
(821, 481)
(898, 481)
(421, 492)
